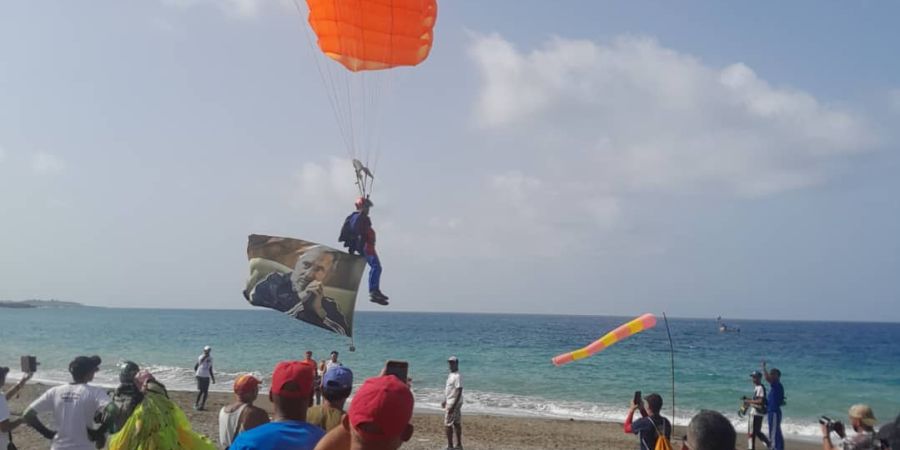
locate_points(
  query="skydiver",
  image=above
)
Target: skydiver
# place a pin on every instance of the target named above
(359, 237)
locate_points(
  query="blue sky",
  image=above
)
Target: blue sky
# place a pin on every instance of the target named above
(584, 157)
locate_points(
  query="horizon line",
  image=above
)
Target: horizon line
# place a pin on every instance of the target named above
(710, 318)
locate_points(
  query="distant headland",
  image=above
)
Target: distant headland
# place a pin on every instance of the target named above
(22, 304)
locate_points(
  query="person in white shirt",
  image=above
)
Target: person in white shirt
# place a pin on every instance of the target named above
(7, 425)
(73, 406)
(333, 361)
(203, 371)
(452, 403)
(757, 406)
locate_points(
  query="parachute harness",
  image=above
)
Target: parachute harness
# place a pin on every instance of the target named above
(364, 178)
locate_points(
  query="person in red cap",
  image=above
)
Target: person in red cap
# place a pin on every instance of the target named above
(241, 415)
(378, 419)
(292, 387)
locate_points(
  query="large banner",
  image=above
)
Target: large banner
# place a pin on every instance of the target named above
(308, 281)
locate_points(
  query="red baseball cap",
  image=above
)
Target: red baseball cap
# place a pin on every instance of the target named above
(245, 384)
(293, 379)
(385, 402)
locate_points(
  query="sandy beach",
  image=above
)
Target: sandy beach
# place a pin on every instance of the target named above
(479, 431)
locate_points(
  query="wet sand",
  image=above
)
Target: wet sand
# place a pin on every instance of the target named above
(479, 431)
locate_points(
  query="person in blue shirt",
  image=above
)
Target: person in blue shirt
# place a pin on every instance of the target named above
(291, 391)
(648, 427)
(774, 401)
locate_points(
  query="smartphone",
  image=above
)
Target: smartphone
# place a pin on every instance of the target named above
(637, 398)
(399, 369)
(29, 364)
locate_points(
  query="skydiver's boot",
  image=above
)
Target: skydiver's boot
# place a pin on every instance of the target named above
(377, 297)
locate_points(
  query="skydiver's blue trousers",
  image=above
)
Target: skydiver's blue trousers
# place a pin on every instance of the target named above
(775, 436)
(374, 272)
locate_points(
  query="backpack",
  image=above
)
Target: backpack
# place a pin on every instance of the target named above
(662, 442)
(350, 233)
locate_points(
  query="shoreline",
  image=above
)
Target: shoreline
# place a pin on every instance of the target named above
(480, 430)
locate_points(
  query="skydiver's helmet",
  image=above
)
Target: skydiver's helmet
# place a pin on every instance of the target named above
(363, 202)
(127, 371)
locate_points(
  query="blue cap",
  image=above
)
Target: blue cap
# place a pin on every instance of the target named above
(338, 378)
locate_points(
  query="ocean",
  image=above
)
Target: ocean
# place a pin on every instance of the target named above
(504, 358)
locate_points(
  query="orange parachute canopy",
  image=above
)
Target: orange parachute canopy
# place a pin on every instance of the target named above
(374, 34)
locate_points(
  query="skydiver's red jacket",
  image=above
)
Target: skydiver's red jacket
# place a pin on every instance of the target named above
(367, 234)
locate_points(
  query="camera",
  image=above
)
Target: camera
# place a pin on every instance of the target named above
(832, 425)
(29, 364)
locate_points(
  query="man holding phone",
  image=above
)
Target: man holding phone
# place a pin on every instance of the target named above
(6, 424)
(652, 425)
(452, 403)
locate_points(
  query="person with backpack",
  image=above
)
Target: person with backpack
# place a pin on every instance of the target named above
(358, 236)
(124, 399)
(651, 426)
(757, 405)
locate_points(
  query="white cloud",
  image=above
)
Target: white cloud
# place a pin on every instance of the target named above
(590, 131)
(633, 116)
(326, 189)
(234, 8)
(47, 164)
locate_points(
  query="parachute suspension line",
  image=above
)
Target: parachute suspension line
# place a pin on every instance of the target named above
(387, 86)
(348, 88)
(349, 98)
(346, 32)
(356, 119)
(346, 112)
(377, 142)
(369, 84)
(329, 83)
